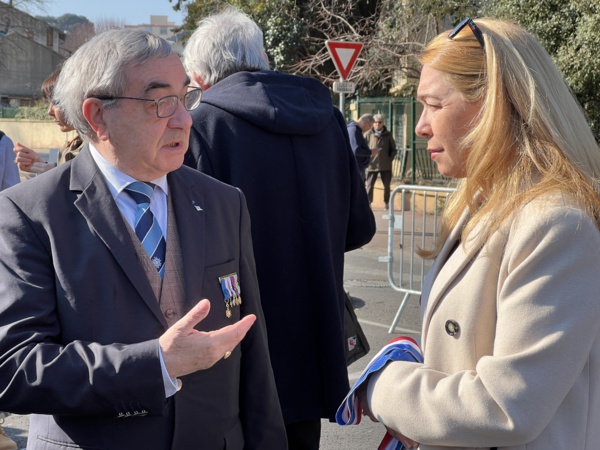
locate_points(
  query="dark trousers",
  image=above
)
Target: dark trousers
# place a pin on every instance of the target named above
(386, 179)
(304, 435)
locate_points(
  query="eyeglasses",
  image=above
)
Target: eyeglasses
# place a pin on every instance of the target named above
(165, 106)
(474, 28)
(378, 122)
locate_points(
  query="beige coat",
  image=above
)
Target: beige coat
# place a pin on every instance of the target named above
(523, 370)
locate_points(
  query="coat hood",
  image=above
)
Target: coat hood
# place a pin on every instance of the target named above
(276, 102)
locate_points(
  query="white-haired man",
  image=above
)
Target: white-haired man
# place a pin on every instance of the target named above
(279, 138)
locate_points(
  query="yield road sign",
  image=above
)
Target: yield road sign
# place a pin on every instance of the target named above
(344, 55)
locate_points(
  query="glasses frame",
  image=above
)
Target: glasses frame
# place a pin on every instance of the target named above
(474, 28)
(158, 100)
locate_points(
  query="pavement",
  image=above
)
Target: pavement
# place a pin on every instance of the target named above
(375, 303)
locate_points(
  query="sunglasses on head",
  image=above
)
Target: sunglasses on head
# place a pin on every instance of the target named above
(474, 28)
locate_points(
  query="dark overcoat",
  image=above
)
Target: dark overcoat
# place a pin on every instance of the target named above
(279, 138)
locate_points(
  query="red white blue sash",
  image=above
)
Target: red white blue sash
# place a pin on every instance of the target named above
(402, 348)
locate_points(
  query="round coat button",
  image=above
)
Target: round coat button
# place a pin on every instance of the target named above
(452, 327)
(169, 313)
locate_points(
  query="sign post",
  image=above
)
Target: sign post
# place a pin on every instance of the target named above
(344, 56)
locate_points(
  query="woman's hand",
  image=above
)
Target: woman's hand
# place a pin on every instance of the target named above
(406, 442)
(26, 157)
(361, 393)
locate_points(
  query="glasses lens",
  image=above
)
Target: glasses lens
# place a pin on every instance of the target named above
(191, 100)
(166, 106)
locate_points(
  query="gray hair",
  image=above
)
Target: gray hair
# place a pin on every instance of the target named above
(224, 44)
(98, 68)
(366, 118)
(379, 117)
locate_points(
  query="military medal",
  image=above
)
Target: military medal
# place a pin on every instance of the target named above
(231, 292)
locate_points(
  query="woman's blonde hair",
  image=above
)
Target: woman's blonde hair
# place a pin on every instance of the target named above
(531, 136)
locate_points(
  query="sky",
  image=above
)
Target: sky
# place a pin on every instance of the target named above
(132, 12)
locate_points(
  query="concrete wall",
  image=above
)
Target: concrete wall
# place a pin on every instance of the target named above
(25, 66)
(36, 134)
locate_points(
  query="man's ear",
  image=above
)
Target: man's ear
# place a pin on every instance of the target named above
(93, 111)
(197, 81)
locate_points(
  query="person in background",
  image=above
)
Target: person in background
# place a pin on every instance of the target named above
(360, 148)
(9, 176)
(130, 314)
(27, 159)
(9, 172)
(510, 307)
(383, 151)
(279, 139)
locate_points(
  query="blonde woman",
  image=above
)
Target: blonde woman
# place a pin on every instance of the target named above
(511, 305)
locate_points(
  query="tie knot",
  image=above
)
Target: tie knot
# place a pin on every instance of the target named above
(140, 191)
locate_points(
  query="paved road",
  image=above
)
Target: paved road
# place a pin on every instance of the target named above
(376, 304)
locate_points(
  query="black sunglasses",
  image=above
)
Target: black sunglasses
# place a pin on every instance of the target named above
(474, 28)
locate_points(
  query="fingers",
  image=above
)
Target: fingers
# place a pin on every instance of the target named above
(406, 442)
(186, 324)
(235, 332)
(186, 350)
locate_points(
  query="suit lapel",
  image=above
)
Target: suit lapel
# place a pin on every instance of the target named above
(98, 207)
(447, 266)
(188, 206)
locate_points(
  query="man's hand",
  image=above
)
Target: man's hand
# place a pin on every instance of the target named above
(26, 157)
(186, 350)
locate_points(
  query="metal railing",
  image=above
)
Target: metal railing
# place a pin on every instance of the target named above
(416, 226)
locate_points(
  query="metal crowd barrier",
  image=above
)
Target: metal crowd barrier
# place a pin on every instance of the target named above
(416, 227)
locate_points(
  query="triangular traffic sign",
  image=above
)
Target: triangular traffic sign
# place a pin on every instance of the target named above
(344, 55)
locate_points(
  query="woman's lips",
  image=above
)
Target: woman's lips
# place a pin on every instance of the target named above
(434, 152)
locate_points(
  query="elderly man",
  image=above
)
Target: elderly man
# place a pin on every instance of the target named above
(360, 148)
(279, 138)
(104, 337)
(383, 148)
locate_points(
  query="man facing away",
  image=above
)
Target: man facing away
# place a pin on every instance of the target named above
(360, 148)
(279, 139)
(103, 337)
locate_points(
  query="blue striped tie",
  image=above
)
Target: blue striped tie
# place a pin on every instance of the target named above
(146, 227)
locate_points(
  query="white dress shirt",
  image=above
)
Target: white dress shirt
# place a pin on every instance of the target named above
(117, 182)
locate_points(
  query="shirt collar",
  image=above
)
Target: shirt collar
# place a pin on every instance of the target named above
(116, 178)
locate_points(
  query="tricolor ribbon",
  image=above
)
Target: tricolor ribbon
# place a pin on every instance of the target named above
(401, 348)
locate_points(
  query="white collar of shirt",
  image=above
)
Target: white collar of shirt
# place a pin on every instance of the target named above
(117, 181)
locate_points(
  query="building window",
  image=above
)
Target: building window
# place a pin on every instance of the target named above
(163, 31)
(49, 37)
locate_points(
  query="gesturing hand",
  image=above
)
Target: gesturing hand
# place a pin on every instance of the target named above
(186, 350)
(26, 157)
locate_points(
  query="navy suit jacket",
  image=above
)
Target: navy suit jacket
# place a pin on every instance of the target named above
(79, 323)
